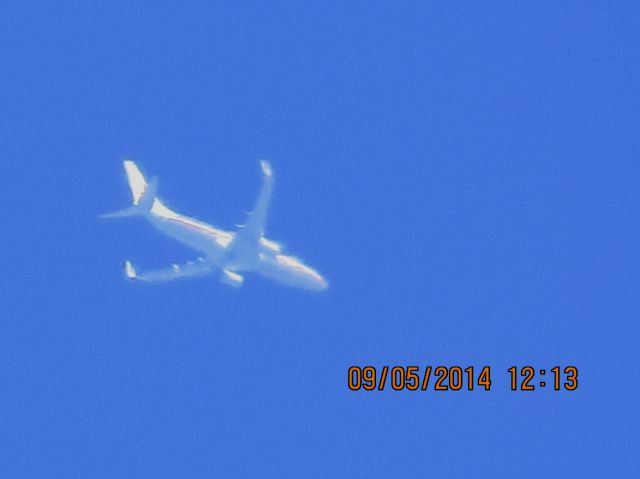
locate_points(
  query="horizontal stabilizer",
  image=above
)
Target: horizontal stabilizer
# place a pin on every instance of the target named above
(131, 211)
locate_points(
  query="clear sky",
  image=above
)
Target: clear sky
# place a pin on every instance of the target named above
(465, 174)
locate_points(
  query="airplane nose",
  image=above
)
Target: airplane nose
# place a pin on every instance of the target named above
(319, 283)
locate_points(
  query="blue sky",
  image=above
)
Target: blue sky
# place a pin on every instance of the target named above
(465, 175)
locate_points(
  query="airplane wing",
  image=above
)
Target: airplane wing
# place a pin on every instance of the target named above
(190, 269)
(253, 229)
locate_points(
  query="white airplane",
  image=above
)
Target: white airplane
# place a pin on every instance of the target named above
(229, 253)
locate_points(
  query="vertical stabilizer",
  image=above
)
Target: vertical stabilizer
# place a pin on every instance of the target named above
(136, 180)
(144, 194)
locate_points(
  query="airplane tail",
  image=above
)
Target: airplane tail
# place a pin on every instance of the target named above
(143, 193)
(137, 181)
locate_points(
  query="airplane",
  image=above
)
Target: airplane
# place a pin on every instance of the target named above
(231, 254)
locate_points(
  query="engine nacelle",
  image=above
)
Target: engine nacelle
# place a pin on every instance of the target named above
(231, 278)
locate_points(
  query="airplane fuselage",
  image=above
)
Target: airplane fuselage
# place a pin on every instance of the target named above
(220, 249)
(228, 253)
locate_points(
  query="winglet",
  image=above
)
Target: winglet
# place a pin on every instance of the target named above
(129, 270)
(266, 168)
